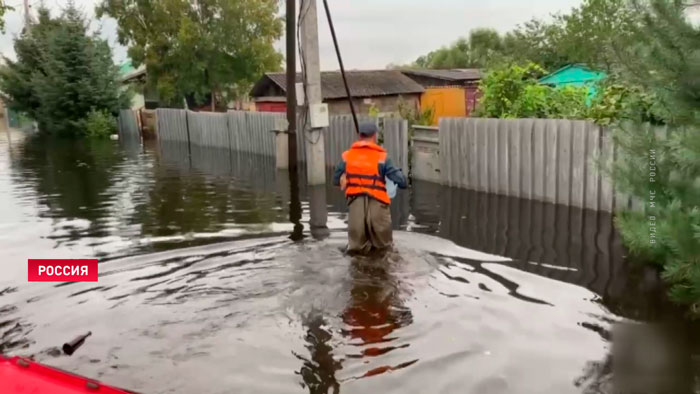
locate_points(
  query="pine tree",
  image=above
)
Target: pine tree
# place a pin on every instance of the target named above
(660, 165)
(62, 74)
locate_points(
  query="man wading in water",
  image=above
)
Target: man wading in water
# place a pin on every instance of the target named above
(362, 173)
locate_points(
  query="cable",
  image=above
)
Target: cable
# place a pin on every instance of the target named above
(340, 62)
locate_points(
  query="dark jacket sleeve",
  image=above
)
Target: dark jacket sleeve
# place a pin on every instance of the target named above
(339, 170)
(388, 170)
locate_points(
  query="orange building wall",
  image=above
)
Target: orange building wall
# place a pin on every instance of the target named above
(445, 101)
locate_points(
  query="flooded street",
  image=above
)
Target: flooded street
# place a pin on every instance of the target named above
(207, 287)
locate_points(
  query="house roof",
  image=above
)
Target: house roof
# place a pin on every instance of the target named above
(573, 74)
(457, 74)
(128, 72)
(361, 83)
(134, 74)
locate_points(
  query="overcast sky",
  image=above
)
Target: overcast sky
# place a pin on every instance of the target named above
(371, 33)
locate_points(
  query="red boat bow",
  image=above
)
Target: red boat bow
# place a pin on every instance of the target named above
(21, 375)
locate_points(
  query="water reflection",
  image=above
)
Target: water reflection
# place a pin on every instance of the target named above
(100, 199)
(648, 358)
(69, 178)
(554, 241)
(374, 313)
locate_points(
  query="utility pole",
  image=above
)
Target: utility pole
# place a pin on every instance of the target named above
(291, 86)
(294, 200)
(27, 16)
(313, 138)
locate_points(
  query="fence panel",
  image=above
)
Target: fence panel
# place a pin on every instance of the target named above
(208, 129)
(172, 124)
(128, 125)
(550, 160)
(396, 142)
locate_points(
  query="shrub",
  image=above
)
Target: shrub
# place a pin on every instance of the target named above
(98, 124)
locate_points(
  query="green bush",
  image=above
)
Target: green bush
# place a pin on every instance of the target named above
(513, 91)
(98, 124)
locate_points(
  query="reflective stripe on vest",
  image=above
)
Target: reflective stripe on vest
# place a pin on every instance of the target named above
(362, 171)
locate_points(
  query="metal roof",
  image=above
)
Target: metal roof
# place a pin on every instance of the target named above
(361, 83)
(573, 74)
(458, 74)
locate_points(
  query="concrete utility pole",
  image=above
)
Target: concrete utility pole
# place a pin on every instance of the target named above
(27, 15)
(313, 138)
(288, 140)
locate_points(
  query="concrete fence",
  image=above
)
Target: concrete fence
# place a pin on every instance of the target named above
(425, 162)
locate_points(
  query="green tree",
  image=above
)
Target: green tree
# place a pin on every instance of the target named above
(663, 171)
(535, 41)
(484, 47)
(596, 33)
(61, 74)
(196, 48)
(3, 9)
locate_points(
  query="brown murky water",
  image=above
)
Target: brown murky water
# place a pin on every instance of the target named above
(207, 287)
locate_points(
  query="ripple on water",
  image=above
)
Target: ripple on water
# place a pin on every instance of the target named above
(263, 314)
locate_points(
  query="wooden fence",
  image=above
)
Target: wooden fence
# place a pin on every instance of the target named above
(396, 142)
(252, 132)
(128, 125)
(172, 125)
(548, 160)
(208, 129)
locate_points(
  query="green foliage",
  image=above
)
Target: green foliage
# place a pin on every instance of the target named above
(61, 74)
(196, 48)
(98, 124)
(3, 9)
(596, 33)
(625, 102)
(483, 48)
(537, 42)
(514, 92)
(664, 171)
(415, 116)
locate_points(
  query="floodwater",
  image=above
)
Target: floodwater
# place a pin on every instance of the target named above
(206, 286)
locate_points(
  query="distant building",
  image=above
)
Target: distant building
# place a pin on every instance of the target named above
(136, 79)
(575, 75)
(384, 90)
(453, 92)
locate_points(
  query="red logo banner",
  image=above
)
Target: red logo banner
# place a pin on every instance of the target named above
(63, 270)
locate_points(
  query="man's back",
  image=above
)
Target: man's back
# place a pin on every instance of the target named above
(362, 173)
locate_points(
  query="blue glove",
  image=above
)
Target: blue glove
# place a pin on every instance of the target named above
(390, 188)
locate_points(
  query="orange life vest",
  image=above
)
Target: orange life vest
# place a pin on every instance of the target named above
(362, 171)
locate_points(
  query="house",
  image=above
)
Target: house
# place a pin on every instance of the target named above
(384, 90)
(453, 92)
(136, 79)
(574, 75)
